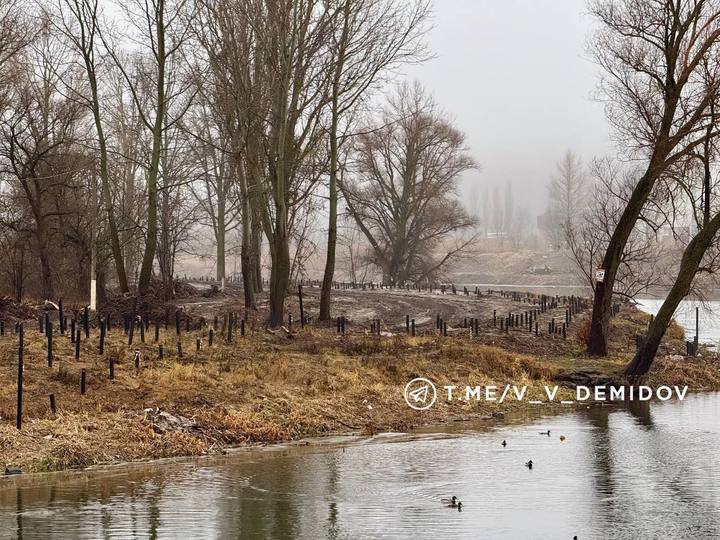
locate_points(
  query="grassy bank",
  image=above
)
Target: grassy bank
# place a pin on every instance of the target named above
(266, 388)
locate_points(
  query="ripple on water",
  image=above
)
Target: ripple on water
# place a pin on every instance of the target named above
(640, 473)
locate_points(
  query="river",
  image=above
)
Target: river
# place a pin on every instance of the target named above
(685, 315)
(648, 471)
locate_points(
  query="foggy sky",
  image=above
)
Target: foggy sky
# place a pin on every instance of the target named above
(516, 78)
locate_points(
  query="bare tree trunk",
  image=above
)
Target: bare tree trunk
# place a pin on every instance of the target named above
(279, 277)
(85, 14)
(600, 323)
(47, 290)
(220, 237)
(332, 219)
(246, 258)
(689, 265)
(256, 252)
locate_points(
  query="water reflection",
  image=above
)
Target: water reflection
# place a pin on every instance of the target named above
(637, 471)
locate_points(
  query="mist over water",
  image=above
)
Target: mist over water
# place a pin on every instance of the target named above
(648, 470)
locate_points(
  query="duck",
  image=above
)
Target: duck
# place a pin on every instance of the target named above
(455, 503)
(529, 464)
(545, 433)
(562, 437)
(504, 443)
(450, 502)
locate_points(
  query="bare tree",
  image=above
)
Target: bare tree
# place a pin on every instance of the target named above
(653, 53)
(36, 136)
(162, 28)
(567, 195)
(78, 22)
(215, 191)
(701, 192)
(15, 33)
(371, 37)
(402, 196)
(590, 231)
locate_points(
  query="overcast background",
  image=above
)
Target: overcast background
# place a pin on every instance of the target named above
(516, 78)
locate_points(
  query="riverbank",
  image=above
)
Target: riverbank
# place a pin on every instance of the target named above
(268, 387)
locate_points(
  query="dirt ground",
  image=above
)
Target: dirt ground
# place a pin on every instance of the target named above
(270, 386)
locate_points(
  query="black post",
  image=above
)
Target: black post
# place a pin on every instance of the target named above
(86, 322)
(102, 336)
(82, 381)
(77, 345)
(197, 344)
(412, 327)
(61, 316)
(53, 408)
(142, 330)
(157, 330)
(302, 311)
(112, 368)
(49, 332)
(72, 330)
(177, 322)
(210, 337)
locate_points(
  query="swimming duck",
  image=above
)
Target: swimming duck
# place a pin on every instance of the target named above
(504, 443)
(454, 503)
(545, 433)
(450, 502)
(562, 437)
(529, 464)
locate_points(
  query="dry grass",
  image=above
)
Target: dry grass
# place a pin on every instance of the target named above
(261, 389)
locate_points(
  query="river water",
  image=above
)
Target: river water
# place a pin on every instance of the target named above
(647, 471)
(685, 316)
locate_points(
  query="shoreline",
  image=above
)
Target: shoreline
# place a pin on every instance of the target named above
(274, 387)
(332, 440)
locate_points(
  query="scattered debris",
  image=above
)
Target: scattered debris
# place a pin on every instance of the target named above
(164, 422)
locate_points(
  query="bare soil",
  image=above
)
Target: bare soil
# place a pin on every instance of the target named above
(272, 386)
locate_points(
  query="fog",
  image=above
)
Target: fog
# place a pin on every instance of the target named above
(518, 81)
